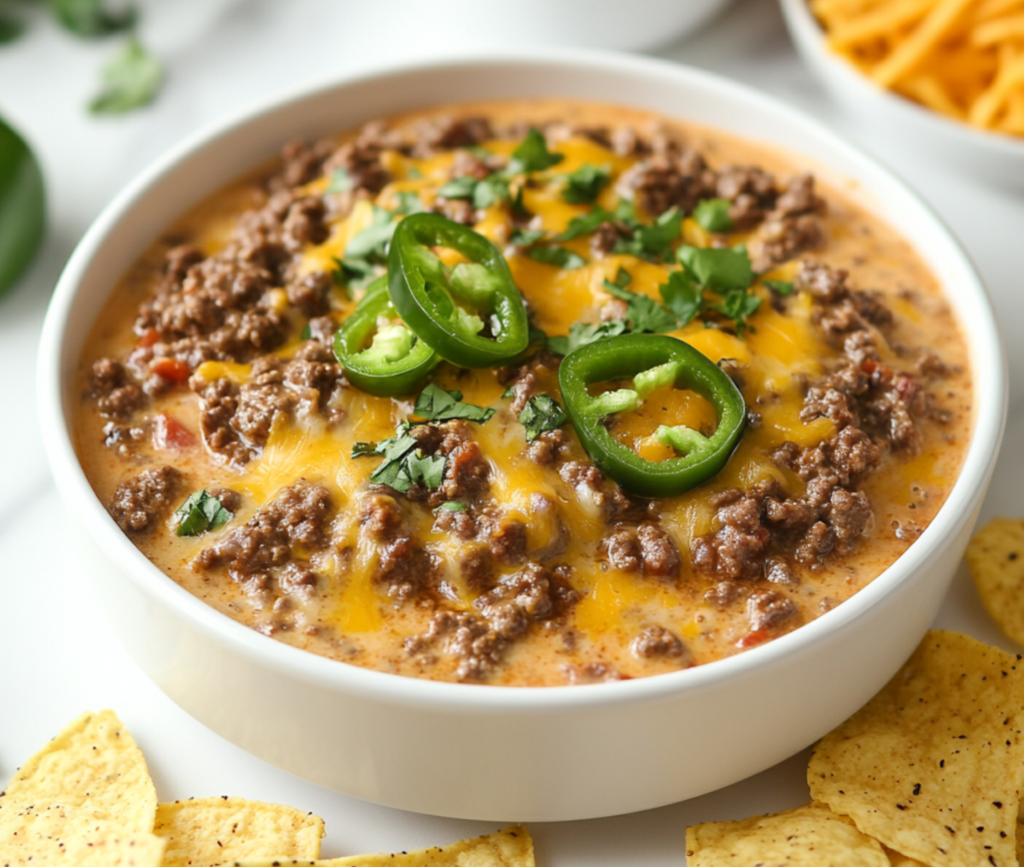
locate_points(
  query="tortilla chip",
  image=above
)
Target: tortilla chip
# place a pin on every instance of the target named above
(50, 834)
(93, 766)
(812, 835)
(933, 765)
(509, 847)
(114, 849)
(996, 560)
(207, 832)
(897, 859)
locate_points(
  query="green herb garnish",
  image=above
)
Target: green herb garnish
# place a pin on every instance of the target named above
(200, 513)
(130, 80)
(780, 287)
(728, 274)
(712, 215)
(404, 464)
(341, 181)
(584, 185)
(437, 404)
(91, 17)
(653, 242)
(582, 333)
(560, 257)
(533, 155)
(541, 414)
(643, 312)
(682, 296)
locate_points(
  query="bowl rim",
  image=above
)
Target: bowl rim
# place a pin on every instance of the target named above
(987, 358)
(809, 36)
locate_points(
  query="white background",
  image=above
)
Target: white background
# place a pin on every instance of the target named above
(57, 657)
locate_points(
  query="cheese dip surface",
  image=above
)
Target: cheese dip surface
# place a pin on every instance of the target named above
(461, 496)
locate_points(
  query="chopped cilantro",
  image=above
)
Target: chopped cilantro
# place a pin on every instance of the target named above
(404, 464)
(780, 287)
(720, 270)
(437, 404)
(10, 29)
(584, 224)
(642, 311)
(341, 181)
(352, 274)
(200, 513)
(525, 237)
(541, 414)
(582, 333)
(130, 80)
(532, 154)
(682, 296)
(584, 185)
(653, 242)
(451, 506)
(490, 191)
(712, 215)
(561, 257)
(727, 273)
(408, 203)
(459, 188)
(414, 174)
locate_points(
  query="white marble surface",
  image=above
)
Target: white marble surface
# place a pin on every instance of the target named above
(56, 655)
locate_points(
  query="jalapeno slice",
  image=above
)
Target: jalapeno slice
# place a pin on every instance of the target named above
(471, 315)
(396, 360)
(651, 361)
(22, 206)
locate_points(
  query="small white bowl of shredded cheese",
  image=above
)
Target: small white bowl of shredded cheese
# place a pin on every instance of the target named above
(895, 121)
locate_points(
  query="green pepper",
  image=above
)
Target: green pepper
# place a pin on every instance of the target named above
(22, 206)
(396, 360)
(652, 361)
(471, 315)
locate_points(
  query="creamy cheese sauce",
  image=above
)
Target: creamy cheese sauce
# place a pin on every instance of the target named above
(349, 618)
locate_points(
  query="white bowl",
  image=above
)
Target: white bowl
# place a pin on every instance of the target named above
(489, 752)
(899, 123)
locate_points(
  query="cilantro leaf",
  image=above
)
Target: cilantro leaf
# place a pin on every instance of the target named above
(451, 506)
(490, 191)
(739, 306)
(372, 243)
(341, 181)
(720, 270)
(525, 237)
(532, 154)
(682, 296)
(561, 257)
(582, 333)
(458, 188)
(91, 17)
(436, 404)
(712, 215)
(584, 185)
(200, 513)
(780, 287)
(130, 80)
(352, 274)
(404, 463)
(541, 414)
(642, 311)
(653, 242)
(409, 203)
(584, 224)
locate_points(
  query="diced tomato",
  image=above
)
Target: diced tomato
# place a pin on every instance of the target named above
(752, 639)
(149, 337)
(171, 369)
(171, 434)
(906, 386)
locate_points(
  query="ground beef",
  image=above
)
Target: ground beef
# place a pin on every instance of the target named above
(296, 517)
(658, 642)
(669, 180)
(648, 548)
(139, 503)
(403, 567)
(446, 133)
(235, 421)
(116, 395)
(751, 193)
(792, 227)
(478, 640)
(769, 609)
(735, 549)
